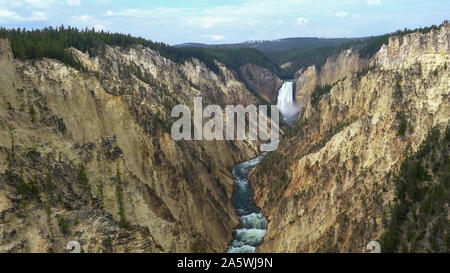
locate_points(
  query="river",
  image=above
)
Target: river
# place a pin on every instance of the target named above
(253, 224)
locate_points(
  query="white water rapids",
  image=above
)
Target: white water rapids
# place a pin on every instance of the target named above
(253, 226)
(253, 223)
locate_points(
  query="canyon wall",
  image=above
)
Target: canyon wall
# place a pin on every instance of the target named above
(331, 190)
(262, 82)
(87, 155)
(335, 68)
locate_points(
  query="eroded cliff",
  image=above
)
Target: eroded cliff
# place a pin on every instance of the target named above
(335, 68)
(262, 82)
(331, 190)
(87, 155)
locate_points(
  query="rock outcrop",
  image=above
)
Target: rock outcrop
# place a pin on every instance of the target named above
(336, 67)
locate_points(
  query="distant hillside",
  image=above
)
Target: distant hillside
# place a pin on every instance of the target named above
(289, 43)
(192, 45)
(277, 45)
(287, 56)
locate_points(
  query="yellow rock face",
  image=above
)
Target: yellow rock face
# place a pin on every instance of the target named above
(334, 193)
(116, 115)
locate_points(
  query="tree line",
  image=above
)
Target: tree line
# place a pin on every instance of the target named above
(317, 55)
(53, 43)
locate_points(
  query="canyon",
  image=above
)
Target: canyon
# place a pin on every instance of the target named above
(86, 154)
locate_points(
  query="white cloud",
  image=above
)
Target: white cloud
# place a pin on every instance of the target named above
(215, 37)
(88, 21)
(373, 2)
(7, 13)
(43, 4)
(209, 21)
(357, 16)
(247, 15)
(11, 15)
(37, 15)
(302, 21)
(224, 21)
(83, 18)
(341, 14)
(11, 4)
(148, 13)
(73, 2)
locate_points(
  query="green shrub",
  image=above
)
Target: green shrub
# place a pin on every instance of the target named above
(320, 91)
(403, 124)
(199, 244)
(32, 113)
(48, 212)
(119, 196)
(63, 225)
(295, 129)
(100, 187)
(82, 178)
(364, 71)
(11, 154)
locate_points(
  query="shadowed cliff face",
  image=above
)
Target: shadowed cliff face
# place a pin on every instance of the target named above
(331, 190)
(72, 131)
(262, 81)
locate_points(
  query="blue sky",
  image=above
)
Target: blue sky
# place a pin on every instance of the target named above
(219, 21)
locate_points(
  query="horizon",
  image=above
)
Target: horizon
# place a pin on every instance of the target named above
(227, 22)
(231, 43)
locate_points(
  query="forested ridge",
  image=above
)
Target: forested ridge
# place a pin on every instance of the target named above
(308, 55)
(53, 43)
(286, 43)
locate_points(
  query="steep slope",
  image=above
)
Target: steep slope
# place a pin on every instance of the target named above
(331, 189)
(88, 156)
(335, 68)
(262, 81)
(419, 218)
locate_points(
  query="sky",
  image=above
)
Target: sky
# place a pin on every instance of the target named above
(227, 21)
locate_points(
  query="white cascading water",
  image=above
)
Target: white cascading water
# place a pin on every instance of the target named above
(253, 223)
(253, 226)
(286, 103)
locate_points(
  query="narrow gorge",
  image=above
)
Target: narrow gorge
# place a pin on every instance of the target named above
(86, 151)
(253, 223)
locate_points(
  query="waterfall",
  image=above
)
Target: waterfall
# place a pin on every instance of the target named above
(253, 226)
(286, 103)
